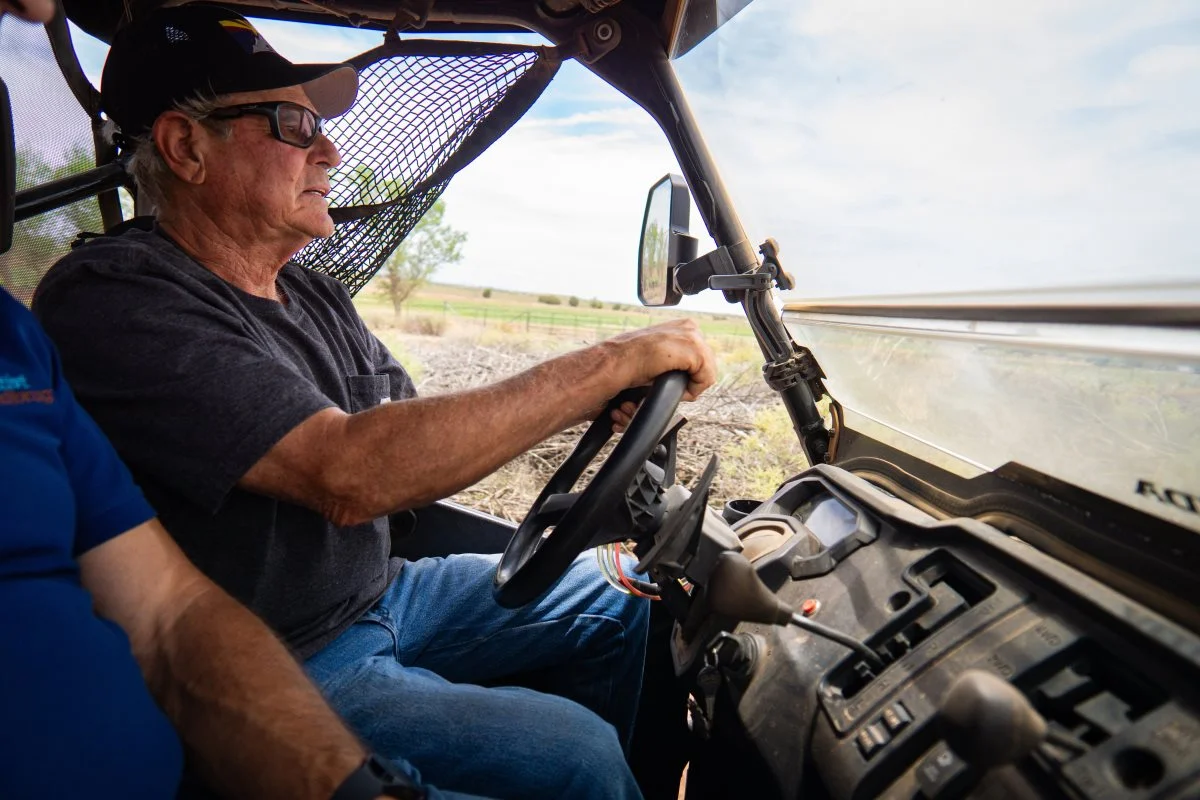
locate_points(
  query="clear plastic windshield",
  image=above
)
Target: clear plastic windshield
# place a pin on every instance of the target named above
(1112, 410)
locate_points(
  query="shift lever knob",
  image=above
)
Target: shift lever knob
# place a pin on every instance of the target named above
(988, 722)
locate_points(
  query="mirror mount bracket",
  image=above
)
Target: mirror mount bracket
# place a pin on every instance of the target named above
(696, 275)
(717, 270)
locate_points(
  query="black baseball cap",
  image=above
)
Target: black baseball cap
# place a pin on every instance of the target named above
(173, 54)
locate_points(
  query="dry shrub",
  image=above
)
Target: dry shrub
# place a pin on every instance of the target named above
(425, 326)
(376, 319)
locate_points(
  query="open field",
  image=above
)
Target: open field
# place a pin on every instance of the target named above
(523, 313)
(740, 420)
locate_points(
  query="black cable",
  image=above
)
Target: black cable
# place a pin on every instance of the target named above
(644, 586)
(843, 639)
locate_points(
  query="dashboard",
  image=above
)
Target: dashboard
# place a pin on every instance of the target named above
(797, 715)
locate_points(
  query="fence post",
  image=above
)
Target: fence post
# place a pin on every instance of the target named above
(528, 316)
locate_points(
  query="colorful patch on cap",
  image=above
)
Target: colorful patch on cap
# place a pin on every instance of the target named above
(244, 34)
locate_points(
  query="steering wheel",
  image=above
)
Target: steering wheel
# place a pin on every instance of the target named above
(532, 562)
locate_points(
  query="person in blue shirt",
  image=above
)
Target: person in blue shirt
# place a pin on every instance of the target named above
(111, 641)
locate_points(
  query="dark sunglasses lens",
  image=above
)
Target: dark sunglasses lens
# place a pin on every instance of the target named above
(298, 125)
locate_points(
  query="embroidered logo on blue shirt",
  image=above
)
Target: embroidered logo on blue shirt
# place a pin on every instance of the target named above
(15, 391)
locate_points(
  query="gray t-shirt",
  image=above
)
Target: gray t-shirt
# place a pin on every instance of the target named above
(194, 381)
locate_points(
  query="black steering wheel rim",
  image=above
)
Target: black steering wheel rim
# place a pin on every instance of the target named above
(531, 563)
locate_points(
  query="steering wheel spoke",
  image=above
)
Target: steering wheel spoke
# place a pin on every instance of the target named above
(553, 508)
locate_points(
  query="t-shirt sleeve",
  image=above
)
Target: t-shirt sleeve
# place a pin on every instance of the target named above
(107, 502)
(192, 396)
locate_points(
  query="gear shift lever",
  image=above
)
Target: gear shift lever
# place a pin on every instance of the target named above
(989, 723)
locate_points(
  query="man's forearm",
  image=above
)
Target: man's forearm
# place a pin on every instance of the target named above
(253, 723)
(359, 467)
(410, 454)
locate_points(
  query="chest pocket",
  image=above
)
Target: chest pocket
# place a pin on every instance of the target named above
(368, 391)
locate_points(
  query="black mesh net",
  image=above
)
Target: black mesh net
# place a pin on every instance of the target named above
(53, 140)
(425, 110)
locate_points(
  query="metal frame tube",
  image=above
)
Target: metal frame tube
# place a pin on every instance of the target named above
(63, 48)
(56, 194)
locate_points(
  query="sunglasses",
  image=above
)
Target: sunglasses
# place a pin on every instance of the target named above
(291, 123)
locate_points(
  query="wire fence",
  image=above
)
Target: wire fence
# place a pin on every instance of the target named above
(579, 324)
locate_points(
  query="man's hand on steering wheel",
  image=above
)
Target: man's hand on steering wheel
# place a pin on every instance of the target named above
(563, 523)
(675, 345)
(652, 351)
(537, 557)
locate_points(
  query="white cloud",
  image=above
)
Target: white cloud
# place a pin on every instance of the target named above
(925, 147)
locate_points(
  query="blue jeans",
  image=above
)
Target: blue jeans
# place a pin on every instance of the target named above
(407, 678)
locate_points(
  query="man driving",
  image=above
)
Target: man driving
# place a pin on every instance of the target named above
(274, 433)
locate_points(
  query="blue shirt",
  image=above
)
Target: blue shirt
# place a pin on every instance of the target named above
(75, 715)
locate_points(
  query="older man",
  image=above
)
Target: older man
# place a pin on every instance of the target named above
(245, 393)
(116, 649)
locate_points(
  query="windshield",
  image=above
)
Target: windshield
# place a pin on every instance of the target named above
(899, 148)
(932, 148)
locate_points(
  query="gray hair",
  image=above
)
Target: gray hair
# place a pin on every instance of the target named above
(149, 169)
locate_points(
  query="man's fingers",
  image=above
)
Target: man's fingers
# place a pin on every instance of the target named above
(702, 379)
(622, 415)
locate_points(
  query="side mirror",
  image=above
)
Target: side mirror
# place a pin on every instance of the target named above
(665, 242)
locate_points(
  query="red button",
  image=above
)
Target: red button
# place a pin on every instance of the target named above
(809, 607)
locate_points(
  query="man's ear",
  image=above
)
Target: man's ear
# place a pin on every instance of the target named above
(181, 142)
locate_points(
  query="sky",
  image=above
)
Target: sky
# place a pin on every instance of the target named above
(889, 148)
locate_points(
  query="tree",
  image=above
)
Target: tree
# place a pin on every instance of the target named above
(427, 247)
(40, 241)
